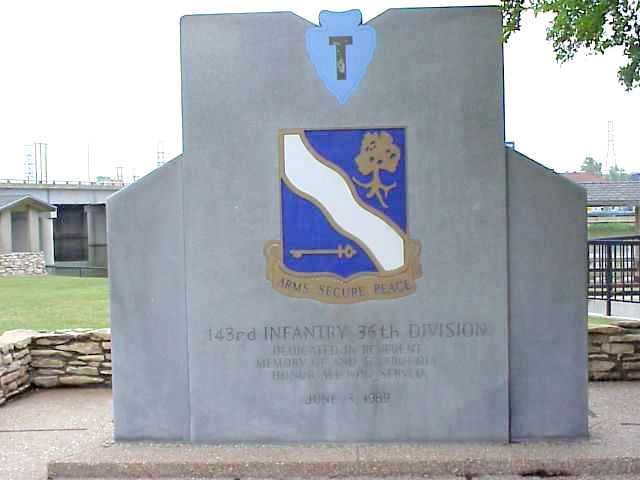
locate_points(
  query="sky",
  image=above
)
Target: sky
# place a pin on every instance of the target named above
(99, 82)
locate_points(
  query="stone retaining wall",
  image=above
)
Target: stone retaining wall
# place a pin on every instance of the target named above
(22, 263)
(614, 351)
(53, 359)
(71, 357)
(14, 364)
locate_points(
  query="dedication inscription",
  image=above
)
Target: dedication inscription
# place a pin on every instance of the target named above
(346, 352)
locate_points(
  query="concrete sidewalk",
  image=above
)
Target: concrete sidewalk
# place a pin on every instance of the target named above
(71, 430)
(43, 425)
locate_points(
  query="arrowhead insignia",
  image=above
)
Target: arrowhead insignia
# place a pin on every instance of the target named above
(340, 49)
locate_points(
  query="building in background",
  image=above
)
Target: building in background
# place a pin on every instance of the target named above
(78, 231)
(26, 225)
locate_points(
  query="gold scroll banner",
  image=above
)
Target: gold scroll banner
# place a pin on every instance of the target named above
(329, 288)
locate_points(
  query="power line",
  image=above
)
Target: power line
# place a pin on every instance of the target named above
(611, 160)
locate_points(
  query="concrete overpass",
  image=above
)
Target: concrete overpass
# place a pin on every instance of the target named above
(80, 228)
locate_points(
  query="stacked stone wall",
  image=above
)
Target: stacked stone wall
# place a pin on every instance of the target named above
(71, 358)
(15, 362)
(61, 358)
(22, 263)
(614, 351)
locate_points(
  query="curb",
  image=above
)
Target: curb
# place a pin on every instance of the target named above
(309, 469)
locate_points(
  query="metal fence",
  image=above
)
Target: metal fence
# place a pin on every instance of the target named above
(614, 270)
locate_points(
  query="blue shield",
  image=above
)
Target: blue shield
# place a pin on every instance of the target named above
(324, 221)
(340, 50)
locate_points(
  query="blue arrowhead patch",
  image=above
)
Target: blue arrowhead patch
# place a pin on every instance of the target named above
(340, 50)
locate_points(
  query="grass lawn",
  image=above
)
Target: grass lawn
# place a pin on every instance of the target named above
(602, 230)
(598, 321)
(53, 302)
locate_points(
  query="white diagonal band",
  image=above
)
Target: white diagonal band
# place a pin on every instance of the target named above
(331, 191)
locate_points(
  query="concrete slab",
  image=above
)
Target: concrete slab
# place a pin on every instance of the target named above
(613, 449)
(71, 425)
(126, 461)
(44, 425)
(547, 245)
(147, 313)
(449, 477)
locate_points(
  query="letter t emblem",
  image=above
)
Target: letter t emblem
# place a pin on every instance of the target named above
(341, 54)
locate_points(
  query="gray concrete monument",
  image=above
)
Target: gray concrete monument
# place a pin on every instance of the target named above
(345, 251)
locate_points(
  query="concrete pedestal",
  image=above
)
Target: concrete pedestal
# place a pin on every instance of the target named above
(96, 235)
(47, 237)
(33, 230)
(6, 244)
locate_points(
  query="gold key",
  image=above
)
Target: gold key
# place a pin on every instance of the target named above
(342, 252)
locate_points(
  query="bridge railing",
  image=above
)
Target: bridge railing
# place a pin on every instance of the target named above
(78, 183)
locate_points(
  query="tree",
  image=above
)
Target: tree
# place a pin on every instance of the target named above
(617, 174)
(591, 25)
(591, 166)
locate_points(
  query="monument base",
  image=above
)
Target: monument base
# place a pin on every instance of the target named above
(177, 461)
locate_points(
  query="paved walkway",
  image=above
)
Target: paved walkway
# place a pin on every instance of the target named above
(72, 428)
(43, 425)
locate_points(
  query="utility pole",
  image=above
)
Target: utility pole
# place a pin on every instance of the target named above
(40, 153)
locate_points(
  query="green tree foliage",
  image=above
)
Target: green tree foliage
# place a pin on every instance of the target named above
(617, 174)
(591, 25)
(591, 165)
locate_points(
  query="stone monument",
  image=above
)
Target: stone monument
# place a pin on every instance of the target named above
(346, 251)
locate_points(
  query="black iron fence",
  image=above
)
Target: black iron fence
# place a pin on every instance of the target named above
(614, 270)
